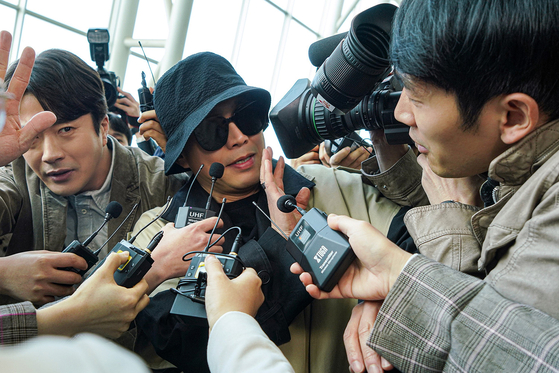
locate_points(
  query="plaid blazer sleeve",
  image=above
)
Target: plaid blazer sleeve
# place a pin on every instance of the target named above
(18, 322)
(438, 319)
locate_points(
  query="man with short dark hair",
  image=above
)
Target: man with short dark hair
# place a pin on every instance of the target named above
(480, 96)
(58, 191)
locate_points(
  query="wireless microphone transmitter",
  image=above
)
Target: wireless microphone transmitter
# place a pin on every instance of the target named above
(113, 210)
(320, 250)
(191, 290)
(189, 214)
(191, 301)
(138, 264)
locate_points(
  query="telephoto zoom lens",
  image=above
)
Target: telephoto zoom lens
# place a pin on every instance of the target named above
(358, 64)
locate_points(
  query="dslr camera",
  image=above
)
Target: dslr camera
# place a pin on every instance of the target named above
(98, 39)
(352, 89)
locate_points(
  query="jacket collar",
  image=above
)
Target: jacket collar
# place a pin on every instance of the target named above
(292, 184)
(519, 162)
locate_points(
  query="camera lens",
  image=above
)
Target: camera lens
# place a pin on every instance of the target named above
(358, 63)
(348, 93)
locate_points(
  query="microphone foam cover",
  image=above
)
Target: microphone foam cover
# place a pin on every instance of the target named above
(114, 209)
(286, 203)
(216, 170)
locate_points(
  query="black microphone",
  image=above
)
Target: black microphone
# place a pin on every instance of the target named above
(320, 50)
(287, 203)
(320, 250)
(139, 261)
(216, 172)
(190, 214)
(112, 211)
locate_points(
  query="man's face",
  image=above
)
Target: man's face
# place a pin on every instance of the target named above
(435, 127)
(70, 158)
(241, 156)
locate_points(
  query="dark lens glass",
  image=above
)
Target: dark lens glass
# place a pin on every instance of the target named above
(213, 132)
(249, 120)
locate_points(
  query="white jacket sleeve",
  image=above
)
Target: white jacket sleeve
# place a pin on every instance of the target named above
(238, 344)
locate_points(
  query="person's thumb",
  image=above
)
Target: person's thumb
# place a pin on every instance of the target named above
(214, 269)
(112, 262)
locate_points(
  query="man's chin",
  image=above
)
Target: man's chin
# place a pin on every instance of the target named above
(63, 190)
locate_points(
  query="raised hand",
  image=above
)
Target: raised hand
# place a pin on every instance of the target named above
(167, 257)
(361, 357)
(128, 104)
(99, 305)
(345, 157)
(15, 139)
(273, 185)
(151, 129)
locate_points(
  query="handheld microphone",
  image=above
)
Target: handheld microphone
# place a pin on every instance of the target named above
(139, 261)
(191, 290)
(145, 95)
(216, 172)
(189, 214)
(287, 203)
(146, 98)
(320, 250)
(112, 211)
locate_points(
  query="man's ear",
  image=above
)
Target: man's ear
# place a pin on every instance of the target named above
(521, 116)
(104, 129)
(181, 161)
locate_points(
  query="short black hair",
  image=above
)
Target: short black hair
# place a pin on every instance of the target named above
(480, 49)
(64, 84)
(117, 124)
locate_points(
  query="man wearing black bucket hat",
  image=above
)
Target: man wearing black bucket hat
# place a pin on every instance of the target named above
(209, 114)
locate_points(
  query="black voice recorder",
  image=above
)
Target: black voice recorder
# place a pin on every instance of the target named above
(320, 250)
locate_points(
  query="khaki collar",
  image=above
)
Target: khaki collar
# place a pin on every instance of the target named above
(518, 163)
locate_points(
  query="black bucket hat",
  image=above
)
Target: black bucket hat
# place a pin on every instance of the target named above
(188, 91)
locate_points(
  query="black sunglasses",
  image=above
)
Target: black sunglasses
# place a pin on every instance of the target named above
(213, 132)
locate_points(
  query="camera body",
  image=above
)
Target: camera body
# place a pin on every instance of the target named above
(320, 250)
(352, 140)
(350, 91)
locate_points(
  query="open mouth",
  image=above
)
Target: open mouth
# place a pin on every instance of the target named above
(243, 160)
(59, 175)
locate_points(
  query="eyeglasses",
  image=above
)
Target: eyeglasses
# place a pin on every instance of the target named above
(212, 133)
